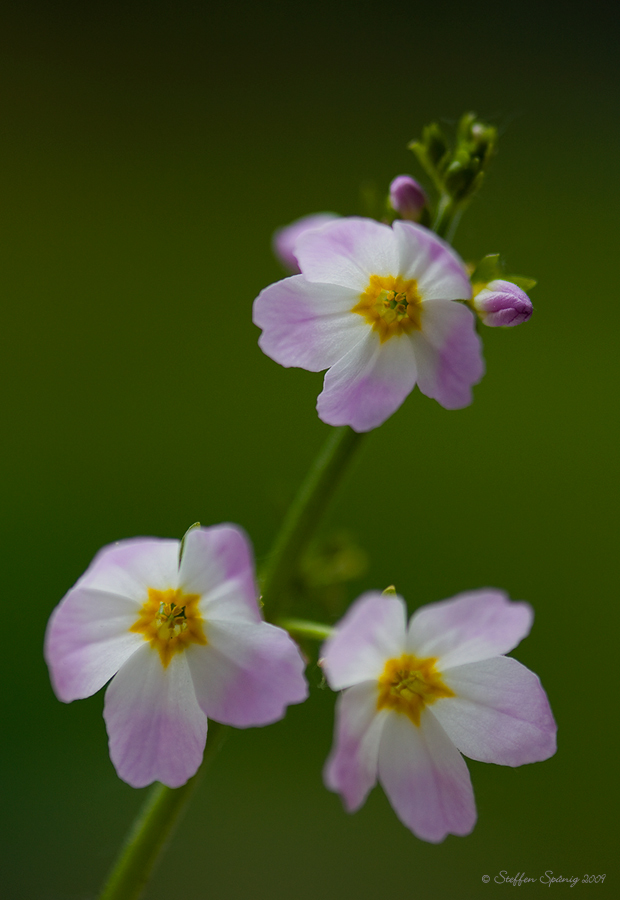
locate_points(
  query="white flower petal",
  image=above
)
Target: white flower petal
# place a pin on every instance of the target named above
(156, 728)
(307, 325)
(448, 353)
(218, 564)
(426, 778)
(351, 768)
(88, 639)
(247, 674)
(500, 713)
(347, 252)
(470, 627)
(130, 567)
(367, 385)
(372, 631)
(438, 269)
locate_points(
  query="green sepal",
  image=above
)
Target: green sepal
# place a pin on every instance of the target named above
(526, 284)
(182, 547)
(488, 269)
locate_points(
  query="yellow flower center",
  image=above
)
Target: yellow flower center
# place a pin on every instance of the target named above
(170, 620)
(391, 305)
(408, 684)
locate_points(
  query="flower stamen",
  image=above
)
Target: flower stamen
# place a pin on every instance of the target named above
(170, 620)
(408, 684)
(391, 305)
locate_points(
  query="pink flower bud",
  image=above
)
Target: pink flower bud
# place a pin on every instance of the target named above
(502, 303)
(407, 197)
(284, 239)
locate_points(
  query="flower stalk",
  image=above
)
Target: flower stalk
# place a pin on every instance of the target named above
(153, 828)
(315, 631)
(304, 516)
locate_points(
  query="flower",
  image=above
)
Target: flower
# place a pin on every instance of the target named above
(502, 303)
(414, 697)
(184, 641)
(374, 305)
(284, 239)
(407, 197)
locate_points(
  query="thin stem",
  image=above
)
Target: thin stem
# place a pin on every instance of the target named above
(445, 213)
(304, 515)
(317, 631)
(153, 827)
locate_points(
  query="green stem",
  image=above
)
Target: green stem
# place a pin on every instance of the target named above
(153, 827)
(445, 214)
(304, 515)
(303, 628)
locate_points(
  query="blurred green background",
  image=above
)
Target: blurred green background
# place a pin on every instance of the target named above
(148, 152)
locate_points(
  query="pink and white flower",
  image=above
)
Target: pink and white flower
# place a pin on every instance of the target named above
(376, 306)
(414, 698)
(184, 642)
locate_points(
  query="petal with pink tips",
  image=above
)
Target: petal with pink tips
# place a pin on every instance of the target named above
(307, 325)
(438, 270)
(218, 564)
(247, 674)
(347, 252)
(156, 728)
(425, 778)
(372, 631)
(448, 353)
(351, 768)
(469, 627)
(129, 567)
(500, 713)
(285, 239)
(367, 385)
(88, 639)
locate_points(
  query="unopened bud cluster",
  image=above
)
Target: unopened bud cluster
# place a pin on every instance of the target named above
(457, 172)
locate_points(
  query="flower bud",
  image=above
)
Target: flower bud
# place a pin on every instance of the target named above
(502, 303)
(407, 197)
(284, 239)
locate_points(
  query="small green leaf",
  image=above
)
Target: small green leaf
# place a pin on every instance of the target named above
(526, 284)
(488, 269)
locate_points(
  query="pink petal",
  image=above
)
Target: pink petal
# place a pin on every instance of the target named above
(247, 674)
(425, 778)
(129, 567)
(285, 239)
(439, 271)
(372, 631)
(88, 640)
(307, 325)
(448, 353)
(347, 252)
(156, 728)
(218, 564)
(468, 628)
(351, 768)
(500, 714)
(367, 385)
